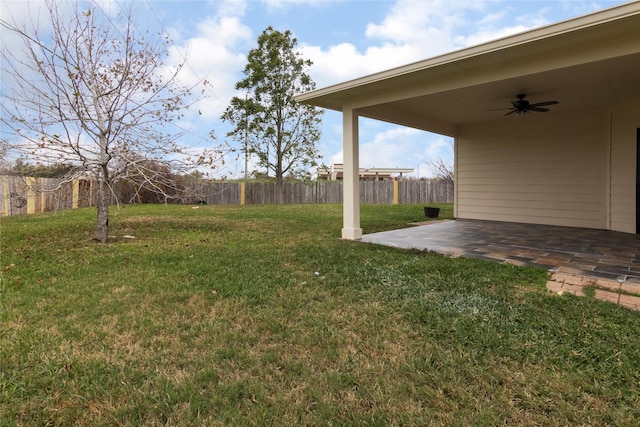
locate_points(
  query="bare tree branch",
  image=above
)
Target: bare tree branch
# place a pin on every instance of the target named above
(442, 170)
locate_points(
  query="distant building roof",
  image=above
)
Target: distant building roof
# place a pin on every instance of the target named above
(336, 171)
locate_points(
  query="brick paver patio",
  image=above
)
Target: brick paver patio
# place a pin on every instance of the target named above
(576, 258)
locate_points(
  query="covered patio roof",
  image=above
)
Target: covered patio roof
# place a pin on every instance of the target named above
(587, 62)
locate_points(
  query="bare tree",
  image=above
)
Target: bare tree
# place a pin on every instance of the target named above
(94, 92)
(446, 172)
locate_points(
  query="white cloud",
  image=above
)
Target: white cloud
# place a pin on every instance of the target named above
(400, 147)
(22, 16)
(337, 63)
(576, 8)
(109, 7)
(413, 22)
(492, 18)
(487, 34)
(276, 6)
(413, 30)
(387, 149)
(230, 8)
(216, 55)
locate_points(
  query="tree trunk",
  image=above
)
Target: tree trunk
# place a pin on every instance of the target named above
(279, 181)
(102, 224)
(279, 192)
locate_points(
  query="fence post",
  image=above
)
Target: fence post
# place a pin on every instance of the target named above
(6, 198)
(242, 192)
(31, 195)
(75, 198)
(90, 192)
(395, 191)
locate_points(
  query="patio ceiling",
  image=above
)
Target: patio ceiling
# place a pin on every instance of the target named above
(593, 85)
(587, 62)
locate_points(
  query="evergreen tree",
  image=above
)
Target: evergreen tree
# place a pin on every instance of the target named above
(268, 123)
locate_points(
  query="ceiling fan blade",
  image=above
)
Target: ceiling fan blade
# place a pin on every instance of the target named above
(522, 106)
(541, 104)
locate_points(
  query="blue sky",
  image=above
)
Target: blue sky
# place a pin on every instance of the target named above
(345, 39)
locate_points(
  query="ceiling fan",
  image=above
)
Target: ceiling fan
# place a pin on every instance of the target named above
(522, 106)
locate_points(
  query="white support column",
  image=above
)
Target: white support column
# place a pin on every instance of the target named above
(455, 177)
(350, 144)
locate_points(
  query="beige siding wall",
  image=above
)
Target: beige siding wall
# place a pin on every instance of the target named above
(541, 168)
(625, 120)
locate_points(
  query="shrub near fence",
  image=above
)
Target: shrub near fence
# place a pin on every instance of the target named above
(21, 195)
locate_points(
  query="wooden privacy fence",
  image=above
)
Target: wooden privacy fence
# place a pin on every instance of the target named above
(25, 195)
(19, 195)
(374, 192)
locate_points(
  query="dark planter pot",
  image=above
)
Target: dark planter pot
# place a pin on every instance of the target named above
(431, 212)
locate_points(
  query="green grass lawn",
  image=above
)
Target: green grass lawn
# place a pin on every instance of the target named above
(262, 315)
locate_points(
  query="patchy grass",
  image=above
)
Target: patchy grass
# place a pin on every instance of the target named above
(262, 315)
